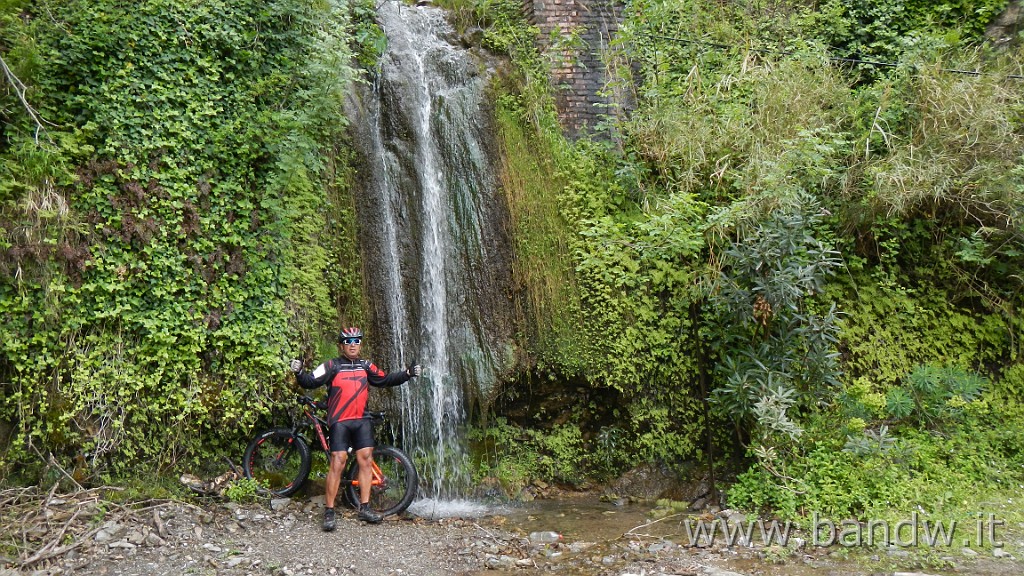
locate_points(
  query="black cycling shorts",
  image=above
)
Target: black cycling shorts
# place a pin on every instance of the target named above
(356, 433)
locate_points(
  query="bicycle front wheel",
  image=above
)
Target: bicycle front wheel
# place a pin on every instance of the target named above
(393, 489)
(278, 460)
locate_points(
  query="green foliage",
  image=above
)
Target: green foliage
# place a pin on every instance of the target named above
(904, 180)
(935, 134)
(145, 486)
(243, 491)
(21, 59)
(942, 395)
(898, 403)
(886, 29)
(176, 238)
(506, 30)
(944, 454)
(543, 265)
(771, 164)
(776, 351)
(368, 38)
(518, 456)
(871, 442)
(634, 269)
(606, 279)
(890, 329)
(878, 476)
(611, 452)
(728, 128)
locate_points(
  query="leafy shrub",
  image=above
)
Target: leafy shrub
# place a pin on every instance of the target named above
(871, 442)
(517, 456)
(878, 476)
(243, 491)
(941, 395)
(775, 351)
(898, 403)
(886, 29)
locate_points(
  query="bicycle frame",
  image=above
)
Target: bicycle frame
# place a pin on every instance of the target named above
(323, 435)
(281, 458)
(318, 424)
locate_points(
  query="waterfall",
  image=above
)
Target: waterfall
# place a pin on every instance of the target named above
(433, 235)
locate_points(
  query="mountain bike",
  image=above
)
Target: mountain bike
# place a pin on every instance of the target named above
(279, 460)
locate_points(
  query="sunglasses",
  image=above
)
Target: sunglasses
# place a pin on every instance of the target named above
(351, 341)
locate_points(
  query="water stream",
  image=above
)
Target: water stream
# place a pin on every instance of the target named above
(432, 236)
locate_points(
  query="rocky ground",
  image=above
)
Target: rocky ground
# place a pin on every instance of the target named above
(92, 537)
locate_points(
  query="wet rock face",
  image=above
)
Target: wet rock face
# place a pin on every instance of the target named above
(433, 225)
(433, 231)
(1005, 28)
(652, 482)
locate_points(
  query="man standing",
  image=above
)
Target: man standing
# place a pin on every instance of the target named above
(348, 379)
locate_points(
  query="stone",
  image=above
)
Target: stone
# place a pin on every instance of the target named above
(502, 562)
(110, 531)
(714, 571)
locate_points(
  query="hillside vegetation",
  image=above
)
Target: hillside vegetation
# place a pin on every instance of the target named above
(794, 248)
(808, 217)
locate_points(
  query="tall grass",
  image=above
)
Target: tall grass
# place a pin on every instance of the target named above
(958, 145)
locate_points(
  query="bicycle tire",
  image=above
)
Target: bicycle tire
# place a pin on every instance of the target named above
(278, 460)
(400, 482)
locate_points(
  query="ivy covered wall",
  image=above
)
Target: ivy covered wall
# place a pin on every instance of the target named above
(172, 216)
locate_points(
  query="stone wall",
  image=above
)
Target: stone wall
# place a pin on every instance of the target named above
(581, 78)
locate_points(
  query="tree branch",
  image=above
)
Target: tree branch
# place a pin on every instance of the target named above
(20, 89)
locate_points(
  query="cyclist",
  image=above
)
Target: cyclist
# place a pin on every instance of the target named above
(348, 378)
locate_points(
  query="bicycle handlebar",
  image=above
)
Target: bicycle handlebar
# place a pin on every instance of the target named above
(307, 401)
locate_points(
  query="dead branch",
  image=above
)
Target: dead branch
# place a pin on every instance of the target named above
(20, 89)
(40, 526)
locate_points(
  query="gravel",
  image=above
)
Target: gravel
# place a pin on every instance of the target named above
(283, 538)
(233, 540)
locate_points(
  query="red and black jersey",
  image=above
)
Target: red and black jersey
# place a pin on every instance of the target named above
(348, 383)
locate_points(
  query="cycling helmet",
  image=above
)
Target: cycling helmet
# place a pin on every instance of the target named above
(350, 332)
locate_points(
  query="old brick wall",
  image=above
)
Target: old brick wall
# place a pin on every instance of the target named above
(581, 78)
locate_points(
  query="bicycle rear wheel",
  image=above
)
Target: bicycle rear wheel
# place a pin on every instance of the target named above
(278, 460)
(396, 490)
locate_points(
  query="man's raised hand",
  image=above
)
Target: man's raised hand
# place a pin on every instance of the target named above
(296, 366)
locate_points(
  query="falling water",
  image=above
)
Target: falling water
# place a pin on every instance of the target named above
(433, 236)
